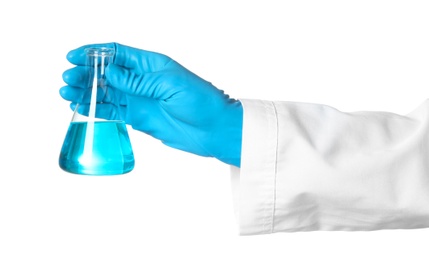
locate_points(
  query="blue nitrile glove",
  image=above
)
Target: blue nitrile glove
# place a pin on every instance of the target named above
(165, 100)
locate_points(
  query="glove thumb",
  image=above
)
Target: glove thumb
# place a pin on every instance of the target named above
(146, 85)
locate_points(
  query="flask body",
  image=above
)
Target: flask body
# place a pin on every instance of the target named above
(97, 140)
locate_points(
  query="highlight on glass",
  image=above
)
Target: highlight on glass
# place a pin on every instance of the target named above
(97, 141)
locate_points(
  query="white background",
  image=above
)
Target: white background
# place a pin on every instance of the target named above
(352, 55)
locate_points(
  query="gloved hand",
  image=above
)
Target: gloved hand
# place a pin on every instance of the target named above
(165, 100)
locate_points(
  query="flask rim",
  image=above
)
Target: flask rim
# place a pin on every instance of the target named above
(100, 51)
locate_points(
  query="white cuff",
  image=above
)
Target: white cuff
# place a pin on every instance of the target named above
(254, 183)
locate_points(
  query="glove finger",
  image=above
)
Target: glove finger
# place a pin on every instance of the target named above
(150, 85)
(133, 58)
(111, 112)
(125, 56)
(111, 95)
(104, 111)
(83, 96)
(73, 94)
(80, 95)
(77, 77)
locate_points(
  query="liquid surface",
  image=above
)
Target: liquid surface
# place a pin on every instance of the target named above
(97, 148)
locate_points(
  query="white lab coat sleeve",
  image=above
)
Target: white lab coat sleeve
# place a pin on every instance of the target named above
(307, 167)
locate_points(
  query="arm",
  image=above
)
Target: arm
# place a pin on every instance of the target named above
(311, 167)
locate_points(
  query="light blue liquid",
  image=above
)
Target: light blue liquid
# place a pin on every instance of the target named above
(107, 150)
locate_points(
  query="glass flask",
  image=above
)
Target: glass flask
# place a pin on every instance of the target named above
(97, 141)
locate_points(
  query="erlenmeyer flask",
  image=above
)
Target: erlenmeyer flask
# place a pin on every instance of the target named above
(97, 141)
